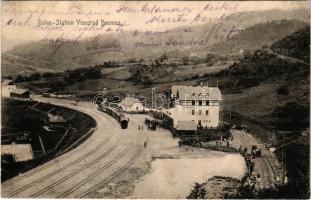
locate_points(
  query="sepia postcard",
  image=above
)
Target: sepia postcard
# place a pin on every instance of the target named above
(155, 99)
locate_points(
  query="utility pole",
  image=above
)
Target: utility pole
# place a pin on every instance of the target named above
(152, 95)
(230, 112)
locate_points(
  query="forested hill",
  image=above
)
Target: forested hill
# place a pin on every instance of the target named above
(296, 45)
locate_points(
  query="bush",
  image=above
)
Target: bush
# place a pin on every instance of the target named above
(47, 75)
(291, 116)
(185, 60)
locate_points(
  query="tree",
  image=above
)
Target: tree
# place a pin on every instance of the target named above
(291, 116)
(185, 60)
(210, 57)
(35, 77)
(198, 192)
(163, 57)
(283, 90)
(47, 75)
(7, 158)
(136, 75)
(93, 73)
(19, 78)
(146, 80)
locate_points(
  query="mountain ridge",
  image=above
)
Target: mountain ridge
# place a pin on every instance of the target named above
(62, 54)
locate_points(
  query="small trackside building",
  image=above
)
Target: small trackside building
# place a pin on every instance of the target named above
(20, 152)
(7, 86)
(130, 104)
(20, 93)
(186, 127)
(55, 120)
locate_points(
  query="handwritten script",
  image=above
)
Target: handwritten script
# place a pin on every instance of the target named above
(148, 24)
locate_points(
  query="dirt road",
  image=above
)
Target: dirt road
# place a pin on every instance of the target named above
(106, 156)
(267, 165)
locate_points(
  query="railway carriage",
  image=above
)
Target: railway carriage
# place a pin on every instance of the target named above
(120, 117)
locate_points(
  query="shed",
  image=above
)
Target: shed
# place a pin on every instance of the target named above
(20, 93)
(7, 86)
(186, 127)
(21, 152)
(56, 120)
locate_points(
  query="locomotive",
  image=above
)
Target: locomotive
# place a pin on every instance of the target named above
(120, 117)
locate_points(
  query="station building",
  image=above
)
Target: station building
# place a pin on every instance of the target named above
(198, 104)
(130, 104)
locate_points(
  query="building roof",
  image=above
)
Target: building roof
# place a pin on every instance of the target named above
(186, 126)
(7, 82)
(129, 101)
(22, 152)
(55, 118)
(20, 91)
(196, 92)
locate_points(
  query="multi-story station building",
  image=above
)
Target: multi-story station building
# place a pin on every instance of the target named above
(198, 104)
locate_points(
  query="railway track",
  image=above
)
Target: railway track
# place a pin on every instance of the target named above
(106, 181)
(114, 161)
(101, 145)
(43, 167)
(49, 164)
(271, 169)
(63, 179)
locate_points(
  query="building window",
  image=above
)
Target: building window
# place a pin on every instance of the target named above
(192, 112)
(200, 112)
(200, 103)
(207, 103)
(193, 102)
(206, 112)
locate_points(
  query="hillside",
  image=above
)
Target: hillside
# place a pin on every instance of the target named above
(296, 45)
(264, 80)
(62, 54)
(257, 36)
(269, 91)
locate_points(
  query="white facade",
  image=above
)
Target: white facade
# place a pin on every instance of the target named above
(130, 104)
(198, 103)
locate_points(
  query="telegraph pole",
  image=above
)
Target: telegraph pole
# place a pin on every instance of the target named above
(152, 95)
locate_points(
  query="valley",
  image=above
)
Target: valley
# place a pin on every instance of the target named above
(260, 61)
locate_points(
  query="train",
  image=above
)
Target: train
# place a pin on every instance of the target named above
(119, 116)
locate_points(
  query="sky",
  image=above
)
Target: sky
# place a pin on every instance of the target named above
(22, 21)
